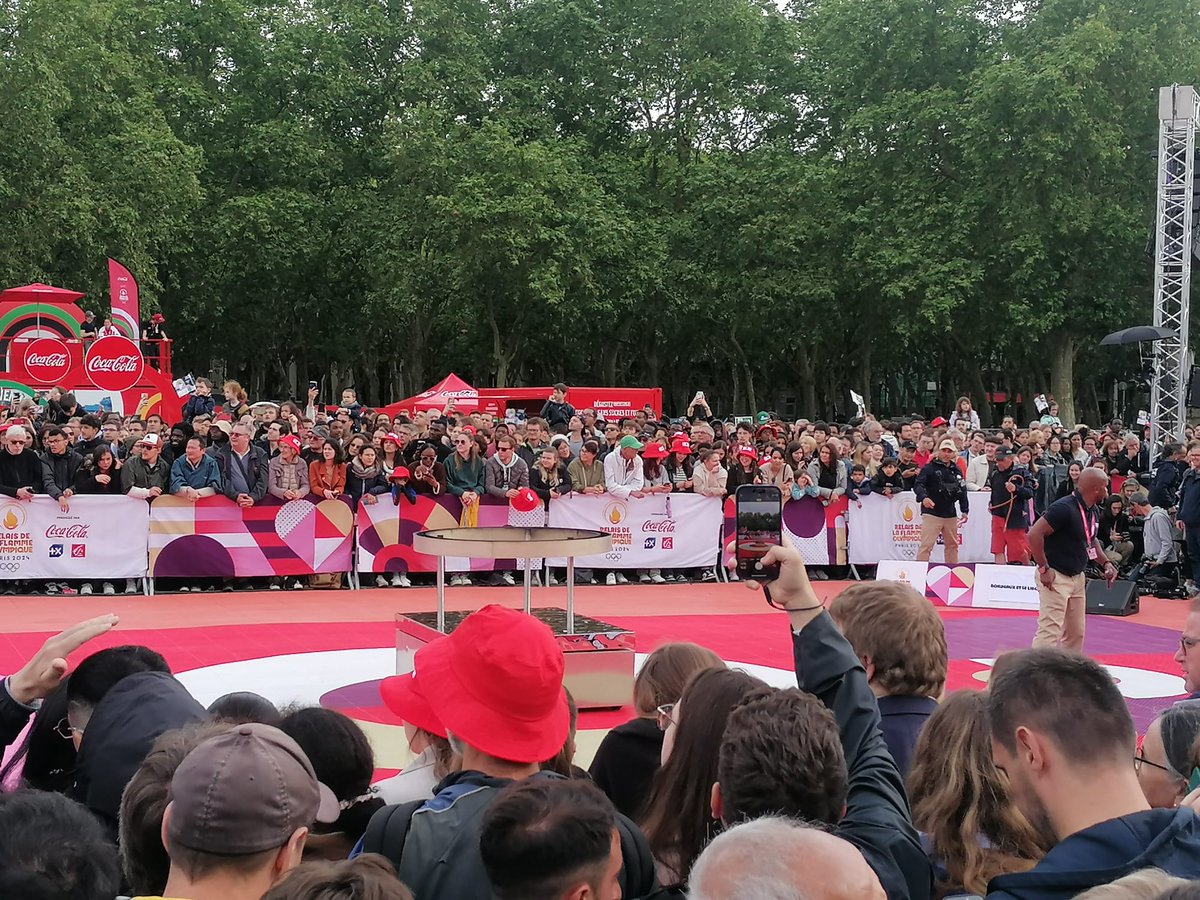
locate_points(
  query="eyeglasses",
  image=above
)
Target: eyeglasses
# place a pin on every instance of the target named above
(1187, 643)
(1138, 761)
(664, 716)
(66, 730)
(461, 443)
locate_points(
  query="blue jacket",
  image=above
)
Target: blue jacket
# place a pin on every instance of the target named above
(1164, 490)
(877, 820)
(197, 406)
(1167, 839)
(1189, 498)
(901, 721)
(206, 474)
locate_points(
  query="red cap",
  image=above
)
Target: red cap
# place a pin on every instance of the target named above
(402, 695)
(655, 451)
(496, 683)
(681, 444)
(469, 429)
(525, 501)
(290, 440)
(400, 472)
(746, 450)
(938, 422)
(393, 437)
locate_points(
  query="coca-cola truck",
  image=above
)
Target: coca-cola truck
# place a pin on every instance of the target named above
(41, 347)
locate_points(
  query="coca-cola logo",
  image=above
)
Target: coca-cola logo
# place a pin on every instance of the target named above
(659, 526)
(71, 532)
(47, 361)
(115, 363)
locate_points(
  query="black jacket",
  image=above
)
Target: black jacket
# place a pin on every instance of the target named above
(557, 414)
(1164, 490)
(537, 483)
(877, 819)
(1012, 508)
(257, 471)
(86, 483)
(18, 470)
(123, 727)
(58, 472)
(943, 485)
(13, 716)
(625, 763)
(901, 720)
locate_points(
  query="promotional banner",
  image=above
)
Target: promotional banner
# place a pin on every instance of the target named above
(980, 586)
(124, 292)
(216, 538)
(890, 528)
(39, 540)
(660, 531)
(816, 530)
(385, 533)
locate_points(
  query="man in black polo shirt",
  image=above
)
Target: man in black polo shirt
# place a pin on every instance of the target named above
(1063, 542)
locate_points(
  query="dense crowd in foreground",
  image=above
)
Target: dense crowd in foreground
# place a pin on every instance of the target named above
(861, 782)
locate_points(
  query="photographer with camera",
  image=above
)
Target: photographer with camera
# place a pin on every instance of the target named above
(939, 487)
(1012, 489)
(1159, 565)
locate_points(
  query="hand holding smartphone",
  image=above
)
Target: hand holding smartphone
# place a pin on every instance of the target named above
(759, 519)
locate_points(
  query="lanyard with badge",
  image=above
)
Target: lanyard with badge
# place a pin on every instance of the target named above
(1090, 526)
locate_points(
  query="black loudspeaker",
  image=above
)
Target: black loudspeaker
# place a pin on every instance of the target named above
(1193, 394)
(1119, 600)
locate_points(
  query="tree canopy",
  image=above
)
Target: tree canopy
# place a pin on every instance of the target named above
(773, 203)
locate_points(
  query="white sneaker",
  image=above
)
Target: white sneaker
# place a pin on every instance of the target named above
(297, 585)
(107, 588)
(621, 579)
(381, 581)
(401, 581)
(131, 586)
(457, 581)
(507, 578)
(551, 580)
(183, 589)
(644, 578)
(275, 585)
(610, 579)
(397, 580)
(657, 578)
(86, 590)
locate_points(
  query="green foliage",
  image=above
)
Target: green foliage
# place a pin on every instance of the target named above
(772, 204)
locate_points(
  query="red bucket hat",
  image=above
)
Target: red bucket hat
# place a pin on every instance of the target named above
(402, 695)
(746, 450)
(400, 472)
(681, 444)
(393, 437)
(655, 451)
(496, 682)
(290, 440)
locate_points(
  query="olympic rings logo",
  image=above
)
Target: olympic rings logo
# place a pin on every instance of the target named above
(10, 567)
(613, 555)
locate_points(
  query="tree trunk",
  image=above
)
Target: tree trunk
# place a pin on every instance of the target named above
(1062, 375)
(979, 401)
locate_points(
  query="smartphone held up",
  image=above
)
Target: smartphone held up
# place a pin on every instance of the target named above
(759, 517)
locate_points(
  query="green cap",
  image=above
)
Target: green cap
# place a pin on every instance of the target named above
(630, 441)
(762, 418)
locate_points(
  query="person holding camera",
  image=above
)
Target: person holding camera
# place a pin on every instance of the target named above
(939, 489)
(1012, 489)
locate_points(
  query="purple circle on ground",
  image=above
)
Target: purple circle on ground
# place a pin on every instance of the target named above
(804, 518)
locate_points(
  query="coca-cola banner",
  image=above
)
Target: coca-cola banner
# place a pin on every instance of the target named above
(114, 364)
(47, 360)
(39, 540)
(124, 292)
(659, 531)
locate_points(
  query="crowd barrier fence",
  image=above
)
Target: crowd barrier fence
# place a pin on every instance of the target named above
(170, 537)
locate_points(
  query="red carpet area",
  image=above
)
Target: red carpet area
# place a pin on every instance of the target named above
(332, 647)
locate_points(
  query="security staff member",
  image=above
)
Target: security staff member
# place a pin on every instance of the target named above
(1063, 542)
(938, 488)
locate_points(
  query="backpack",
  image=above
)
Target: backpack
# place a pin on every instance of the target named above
(389, 829)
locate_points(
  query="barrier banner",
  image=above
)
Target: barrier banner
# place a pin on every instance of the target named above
(659, 531)
(816, 530)
(216, 538)
(39, 540)
(385, 533)
(976, 585)
(890, 528)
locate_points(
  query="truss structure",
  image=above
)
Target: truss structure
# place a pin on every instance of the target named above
(1178, 113)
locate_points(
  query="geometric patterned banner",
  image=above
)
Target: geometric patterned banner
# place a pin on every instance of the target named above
(817, 531)
(215, 538)
(385, 532)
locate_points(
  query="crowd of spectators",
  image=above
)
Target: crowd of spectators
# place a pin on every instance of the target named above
(864, 781)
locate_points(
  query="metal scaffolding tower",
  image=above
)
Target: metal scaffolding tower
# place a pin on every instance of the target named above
(1178, 113)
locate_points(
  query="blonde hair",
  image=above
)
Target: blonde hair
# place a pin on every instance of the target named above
(958, 796)
(1144, 884)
